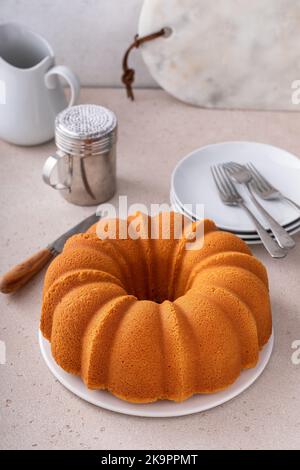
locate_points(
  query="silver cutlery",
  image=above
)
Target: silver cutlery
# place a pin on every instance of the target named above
(264, 188)
(241, 175)
(231, 197)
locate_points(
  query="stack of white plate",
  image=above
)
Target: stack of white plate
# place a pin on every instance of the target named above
(192, 184)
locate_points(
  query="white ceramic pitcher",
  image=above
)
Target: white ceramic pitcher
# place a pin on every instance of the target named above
(31, 94)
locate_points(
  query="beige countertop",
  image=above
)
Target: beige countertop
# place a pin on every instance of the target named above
(154, 133)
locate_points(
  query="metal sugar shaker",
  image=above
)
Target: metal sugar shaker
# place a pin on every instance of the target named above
(85, 160)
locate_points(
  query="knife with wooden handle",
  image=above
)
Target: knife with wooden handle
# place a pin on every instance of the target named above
(20, 274)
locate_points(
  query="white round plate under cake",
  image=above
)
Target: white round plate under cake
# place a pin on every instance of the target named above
(159, 409)
(192, 183)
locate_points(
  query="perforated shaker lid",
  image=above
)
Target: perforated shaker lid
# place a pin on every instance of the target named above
(86, 121)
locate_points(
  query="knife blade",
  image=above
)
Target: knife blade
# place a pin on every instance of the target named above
(83, 226)
(20, 274)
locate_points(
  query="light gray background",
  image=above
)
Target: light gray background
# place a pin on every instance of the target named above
(88, 35)
(91, 37)
(36, 412)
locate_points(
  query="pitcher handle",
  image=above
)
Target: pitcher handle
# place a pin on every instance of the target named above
(48, 168)
(70, 77)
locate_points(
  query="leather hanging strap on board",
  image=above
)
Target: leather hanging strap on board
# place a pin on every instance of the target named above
(128, 73)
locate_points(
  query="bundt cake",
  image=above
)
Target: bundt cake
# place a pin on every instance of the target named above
(148, 319)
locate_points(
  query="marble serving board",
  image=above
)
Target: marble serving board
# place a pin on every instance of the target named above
(225, 53)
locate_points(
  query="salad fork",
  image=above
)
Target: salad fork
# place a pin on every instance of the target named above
(231, 197)
(264, 188)
(242, 175)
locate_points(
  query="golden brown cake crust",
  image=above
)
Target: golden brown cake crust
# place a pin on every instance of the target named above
(148, 319)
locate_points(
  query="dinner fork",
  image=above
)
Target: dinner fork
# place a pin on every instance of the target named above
(264, 188)
(242, 175)
(231, 197)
